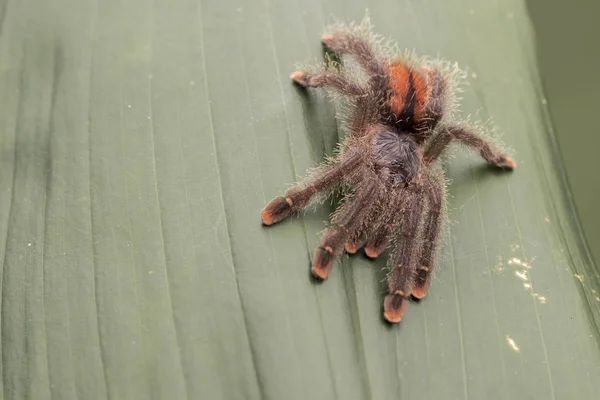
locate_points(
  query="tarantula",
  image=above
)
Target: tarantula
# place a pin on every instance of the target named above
(397, 126)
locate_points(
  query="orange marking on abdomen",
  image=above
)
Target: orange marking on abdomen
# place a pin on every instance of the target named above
(409, 89)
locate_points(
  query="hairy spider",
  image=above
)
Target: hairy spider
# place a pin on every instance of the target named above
(397, 124)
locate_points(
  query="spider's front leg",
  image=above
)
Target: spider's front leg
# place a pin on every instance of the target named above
(468, 137)
(331, 80)
(299, 196)
(361, 234)
(377, 237)
(346, 42)
(402, 261)
(346, 221)
(431, 237)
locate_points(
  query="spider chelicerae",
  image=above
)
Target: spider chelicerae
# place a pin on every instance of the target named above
(398, 121)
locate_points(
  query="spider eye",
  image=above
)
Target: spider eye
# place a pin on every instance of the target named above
(398, 164)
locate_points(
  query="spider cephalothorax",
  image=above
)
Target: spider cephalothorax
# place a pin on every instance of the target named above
(398, 124)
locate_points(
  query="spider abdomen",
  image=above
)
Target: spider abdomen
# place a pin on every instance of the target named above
(408, 94)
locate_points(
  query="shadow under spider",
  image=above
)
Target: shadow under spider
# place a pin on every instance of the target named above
(318, 114)
(480, 173)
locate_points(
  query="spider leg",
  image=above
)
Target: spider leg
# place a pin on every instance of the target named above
(299, 196)
(352, 44)
(466, 136)
(387, 222)
(330, 80)
(352, 245)
(436, 146)
(349, 218)
(402, 261)
(369, 224)
(359, 237)
(431, 233)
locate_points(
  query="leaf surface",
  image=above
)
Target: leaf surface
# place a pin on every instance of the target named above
(140, 140)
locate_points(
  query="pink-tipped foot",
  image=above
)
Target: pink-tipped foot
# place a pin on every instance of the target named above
(266, 217)
(506, 163)
(319, 273)
(323, 261)
(420, 292)
(372, 253)
(422, 282)
(277, 210)
(326, 38)
(394, 307)
(510, 163)
(298, 77)
(351, 247)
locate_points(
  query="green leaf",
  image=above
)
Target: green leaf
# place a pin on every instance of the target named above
(140, 140)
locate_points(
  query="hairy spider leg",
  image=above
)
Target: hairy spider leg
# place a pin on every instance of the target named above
(436, 146)
(299, 196)
(341, 43)
(470, 138)
(430, 239)
(370, 225)
(328, 80)
(337, 81)
(345, 222)
(356, 242)
(402, 261)
(359, 237)
(388, 221)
